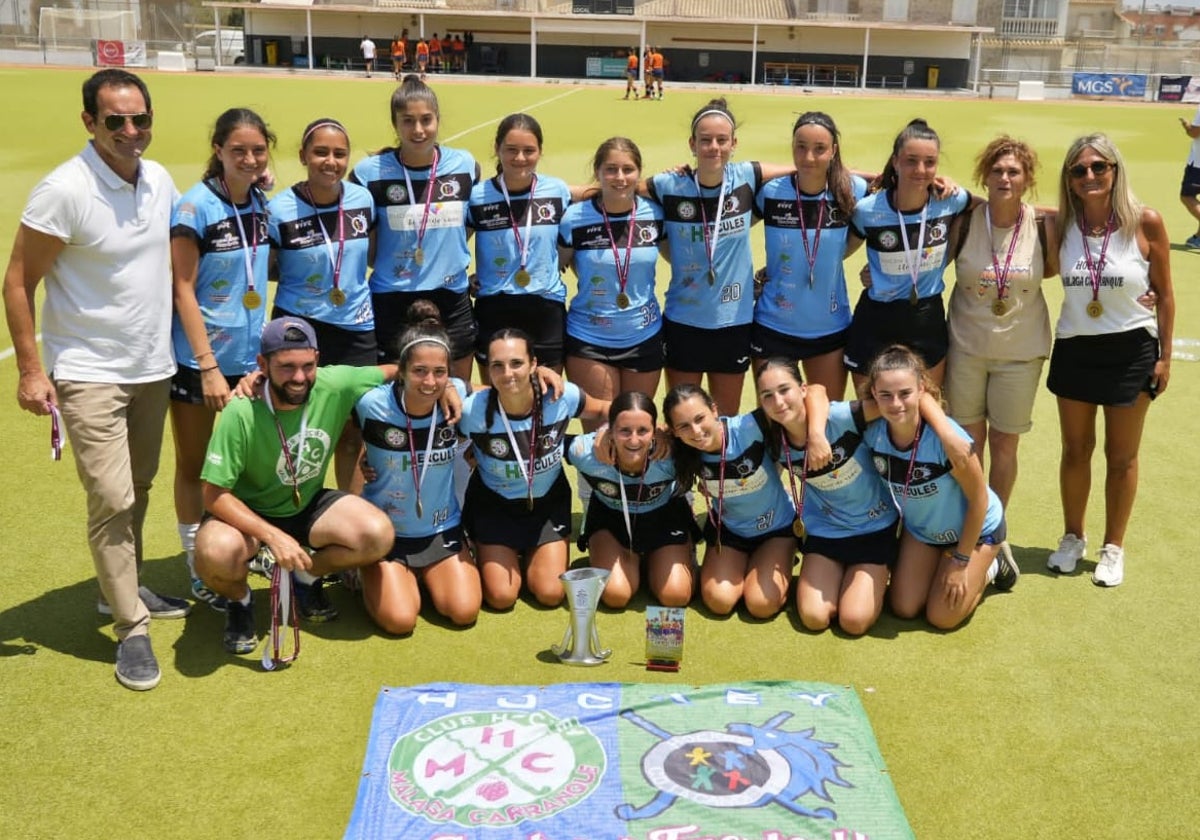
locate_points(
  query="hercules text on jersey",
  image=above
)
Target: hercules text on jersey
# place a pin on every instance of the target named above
(233, 263)
(509, 234)
(312, 243)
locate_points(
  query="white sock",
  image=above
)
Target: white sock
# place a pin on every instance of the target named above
(307, 578)
(187, 538)
(992, 570)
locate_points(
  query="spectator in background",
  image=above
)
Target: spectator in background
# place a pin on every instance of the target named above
(422, 57)
(631, 73)
(399, 55)
(368, 53)
(435, 53)
(1190, 187)
(460, 54)
(447, 53)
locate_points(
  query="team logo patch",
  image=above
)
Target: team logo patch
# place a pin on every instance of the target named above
(545, 212)
(937, 233)
(481, 769)
(358, 221)
(646, 235)
(445, 436)
(396, 193)
(687, 210)
(395, 437)
(498, 447)
(448, 189)
(889, 239)
(731, 206)
(607, 488)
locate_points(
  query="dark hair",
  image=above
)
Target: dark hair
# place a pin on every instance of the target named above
(412, 89)
(616, 144)
(515, 122)
(322, 122)
(792, 368)
(226, 124)
(917, 129)
(838, 176)
(493, 399)
(687, 458)
(424, 322)
(900, 357)
(720, 106)
(111, 77)
(631, 401)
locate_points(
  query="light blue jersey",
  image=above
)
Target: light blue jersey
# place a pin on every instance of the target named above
(795, 300)
(876, 221)
(594, 315)
(308, 239)
(691, 299)
(845, 498)
(498, 247)
(392, 438)
(504, 470)
(405, 259)
(206, 216)
(752, 501)
(934, 504)
(643, 493)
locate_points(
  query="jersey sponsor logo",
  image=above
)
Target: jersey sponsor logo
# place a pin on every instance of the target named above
(396, 193)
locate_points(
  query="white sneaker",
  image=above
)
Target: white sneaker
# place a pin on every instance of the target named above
(1110, 571)
(1070, 551)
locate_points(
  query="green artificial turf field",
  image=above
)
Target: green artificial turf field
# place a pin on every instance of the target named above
(1059, 710)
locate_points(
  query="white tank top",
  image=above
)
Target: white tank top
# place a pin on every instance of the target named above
(1124, 277)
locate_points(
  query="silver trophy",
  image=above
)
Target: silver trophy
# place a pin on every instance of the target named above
(581, 642)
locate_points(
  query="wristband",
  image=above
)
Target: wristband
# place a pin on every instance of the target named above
(207, 369)
(960, 558)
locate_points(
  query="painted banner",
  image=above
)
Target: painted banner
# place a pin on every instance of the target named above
(605, 761)
(1109, 84)
(120, 53)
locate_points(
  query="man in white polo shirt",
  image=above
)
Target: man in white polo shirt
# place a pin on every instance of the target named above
(97, 229)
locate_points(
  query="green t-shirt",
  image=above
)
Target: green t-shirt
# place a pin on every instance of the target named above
(244, 454)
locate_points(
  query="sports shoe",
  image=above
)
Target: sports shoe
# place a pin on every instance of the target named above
(160, 606)
(1193, 241)
(263, 563)
(312, 602)
(1110, 570)
(202, 593)
(239, 634)
(137, 669)
(1008, 574)
(1071, 549)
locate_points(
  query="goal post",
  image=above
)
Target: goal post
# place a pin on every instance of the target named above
(80, 27)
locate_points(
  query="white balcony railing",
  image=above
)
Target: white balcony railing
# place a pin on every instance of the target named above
(1029, 27)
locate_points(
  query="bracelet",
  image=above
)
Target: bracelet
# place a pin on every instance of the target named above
(205, 353)
(960, 558)
(207, 369)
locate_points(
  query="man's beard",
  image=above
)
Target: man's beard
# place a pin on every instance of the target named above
(280, 394)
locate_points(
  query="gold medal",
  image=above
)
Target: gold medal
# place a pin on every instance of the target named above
(419, 256)
(252, 300)
(999, 307)
(337, 297)
(420, 510)
(1095, 309)
(798, 529)
(712, 277)
(521, 278)
(912, 296)
(296, 495)
(899, 527)
(623, 301)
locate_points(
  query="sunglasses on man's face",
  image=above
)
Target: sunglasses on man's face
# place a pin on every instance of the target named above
(115, 122)
(1096, 167)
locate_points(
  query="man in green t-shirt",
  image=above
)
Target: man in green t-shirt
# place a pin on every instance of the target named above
(264, 482)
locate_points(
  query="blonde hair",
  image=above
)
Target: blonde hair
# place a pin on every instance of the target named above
(1126, 208)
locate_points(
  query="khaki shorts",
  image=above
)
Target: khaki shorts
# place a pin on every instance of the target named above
(998, 390)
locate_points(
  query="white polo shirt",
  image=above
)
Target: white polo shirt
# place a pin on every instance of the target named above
(1194, 152)
(107, 311)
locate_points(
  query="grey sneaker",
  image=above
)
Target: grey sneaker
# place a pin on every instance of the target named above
(1008, 574)
(1070, 551)
(137, 669)
(160, 606)
(239, 628)
(202, 593)
(263, 562)
(1110, 570)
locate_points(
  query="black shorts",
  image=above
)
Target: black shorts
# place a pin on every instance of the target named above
(921, 328)
(457, 318)
(299, 525)
(671, 524)
(423, 552)
(1108, 369)
(697, 350)
(646, 357)
(878, 548)
(338, 345)
(766, 342)
(543, 319)
(1190, 186)
(491, 519)
(994, 537)
(746, 545)
(186, 386)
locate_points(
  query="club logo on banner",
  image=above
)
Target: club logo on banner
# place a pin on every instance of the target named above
(747, 761)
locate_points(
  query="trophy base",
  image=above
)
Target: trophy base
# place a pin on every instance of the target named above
(569, 658)
(662, 665)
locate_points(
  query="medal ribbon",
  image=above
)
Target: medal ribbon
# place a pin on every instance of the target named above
(56, 441)
(912, 461)
(914, 264)
(522, 243)
(418, 480)
(336, 263)
(428, 193)
(249, 258)
(797, 501)
(526, 474)
(810, 255)
(622, 271)
(621, 486)
(283, 614)
(716, 523)
(1002, 276)
(290, 463)
(710, 243)
(1096, 269)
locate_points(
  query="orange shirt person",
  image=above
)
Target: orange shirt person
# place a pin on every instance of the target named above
(399, 55)
(631, 73)
(422, 56)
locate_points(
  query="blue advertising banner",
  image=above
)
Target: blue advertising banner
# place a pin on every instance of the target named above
(1109, 84)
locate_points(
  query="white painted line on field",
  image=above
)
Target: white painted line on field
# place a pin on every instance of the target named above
(494, 120)
(12, 351)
